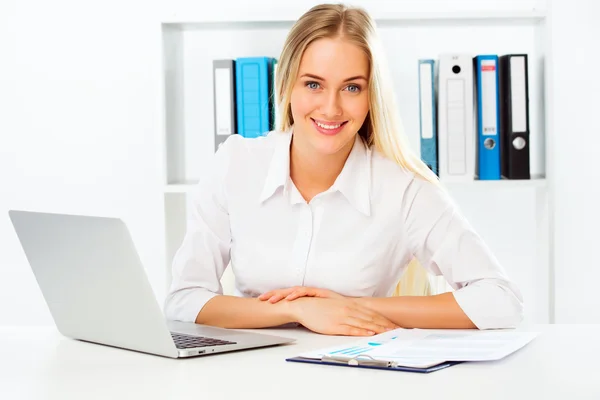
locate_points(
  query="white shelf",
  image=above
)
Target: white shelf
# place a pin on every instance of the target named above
(380, 11)
(288, 18)
(501, 185)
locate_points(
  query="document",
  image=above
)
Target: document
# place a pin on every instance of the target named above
(423, 347)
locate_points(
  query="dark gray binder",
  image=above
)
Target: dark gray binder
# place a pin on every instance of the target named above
(514, 114)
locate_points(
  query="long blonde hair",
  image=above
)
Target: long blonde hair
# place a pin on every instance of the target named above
(382, 128)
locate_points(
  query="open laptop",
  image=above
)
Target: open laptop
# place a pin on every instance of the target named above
(93, 281)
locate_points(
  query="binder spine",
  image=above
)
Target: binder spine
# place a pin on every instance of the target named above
(224, 95)
(456, 135)
(427, 114)
(275, 123)
(254, 108)
(514, 111)
(488, 117)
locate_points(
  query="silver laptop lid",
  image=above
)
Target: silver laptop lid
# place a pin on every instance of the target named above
(93, 281)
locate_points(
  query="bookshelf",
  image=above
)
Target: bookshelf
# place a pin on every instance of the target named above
(514, 217)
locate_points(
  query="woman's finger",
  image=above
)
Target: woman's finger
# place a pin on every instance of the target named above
(292, 296)
(298, 293)
(275, 298)
(351, 330)
(271, 293)
(310, 292)
(365, 325)
(372, 316)
(383, 323)
(266, 295)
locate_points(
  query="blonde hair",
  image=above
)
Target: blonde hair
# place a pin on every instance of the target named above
(382, 128)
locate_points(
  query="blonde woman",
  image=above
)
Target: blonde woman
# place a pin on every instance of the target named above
(321, 218)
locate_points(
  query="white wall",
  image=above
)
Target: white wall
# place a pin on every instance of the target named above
(79, 127)
(576, 134)
(80, 101)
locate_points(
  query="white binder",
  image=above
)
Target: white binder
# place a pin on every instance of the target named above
(224, 100)
(456, 133)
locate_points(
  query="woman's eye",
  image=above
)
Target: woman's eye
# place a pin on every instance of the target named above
(312, 85)
(353, 88)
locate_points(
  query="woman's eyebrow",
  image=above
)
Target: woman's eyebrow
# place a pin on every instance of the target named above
(352, 78)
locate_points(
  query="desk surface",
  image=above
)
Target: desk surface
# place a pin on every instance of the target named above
(39, 363)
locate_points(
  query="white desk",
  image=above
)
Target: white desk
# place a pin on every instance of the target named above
(561, 363)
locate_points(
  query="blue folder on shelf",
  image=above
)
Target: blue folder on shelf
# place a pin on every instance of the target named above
(488, 117)
(253, 95)
(427, 114)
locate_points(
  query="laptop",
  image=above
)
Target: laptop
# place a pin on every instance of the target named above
(97, 291)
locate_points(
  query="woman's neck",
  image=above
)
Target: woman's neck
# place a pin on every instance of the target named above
(314, 173)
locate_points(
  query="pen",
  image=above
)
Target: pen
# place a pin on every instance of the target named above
(357, 361)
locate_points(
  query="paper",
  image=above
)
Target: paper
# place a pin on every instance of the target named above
(365, 348)
(422, 346)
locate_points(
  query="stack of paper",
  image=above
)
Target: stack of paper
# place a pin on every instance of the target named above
(422, 348)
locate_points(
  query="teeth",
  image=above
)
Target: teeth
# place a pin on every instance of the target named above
(328, 126)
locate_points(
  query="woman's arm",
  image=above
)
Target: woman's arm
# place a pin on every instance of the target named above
(326, 316)
(433, 312)
(244, 313)
(196, 294)
(204, 254)
(439, 311)
(446, 244)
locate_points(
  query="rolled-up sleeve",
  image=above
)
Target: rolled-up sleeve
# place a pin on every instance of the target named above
(204, 254)
(446, 244)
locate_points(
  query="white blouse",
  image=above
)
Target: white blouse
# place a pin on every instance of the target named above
(356, 238)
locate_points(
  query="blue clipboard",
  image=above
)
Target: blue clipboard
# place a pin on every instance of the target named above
(372, 364)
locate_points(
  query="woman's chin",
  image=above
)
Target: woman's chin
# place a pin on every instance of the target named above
(330, 145)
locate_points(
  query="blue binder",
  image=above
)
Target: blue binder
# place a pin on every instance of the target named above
(488, 164)
(427, 114)
(253, 95)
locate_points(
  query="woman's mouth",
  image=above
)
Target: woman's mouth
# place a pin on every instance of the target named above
(328, 127)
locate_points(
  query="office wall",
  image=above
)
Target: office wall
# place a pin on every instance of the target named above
(79, 126)
(80, 132)
(576, 135)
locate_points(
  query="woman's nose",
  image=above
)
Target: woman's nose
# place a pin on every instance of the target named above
(331, 106)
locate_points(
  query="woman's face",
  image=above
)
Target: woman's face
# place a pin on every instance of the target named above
(329, 100)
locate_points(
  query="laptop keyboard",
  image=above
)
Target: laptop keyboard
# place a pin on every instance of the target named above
(188, 341)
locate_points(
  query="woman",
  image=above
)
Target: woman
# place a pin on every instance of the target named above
(321, 217)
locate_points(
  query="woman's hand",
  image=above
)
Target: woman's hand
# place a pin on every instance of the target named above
(273, 296)
(339, 317)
